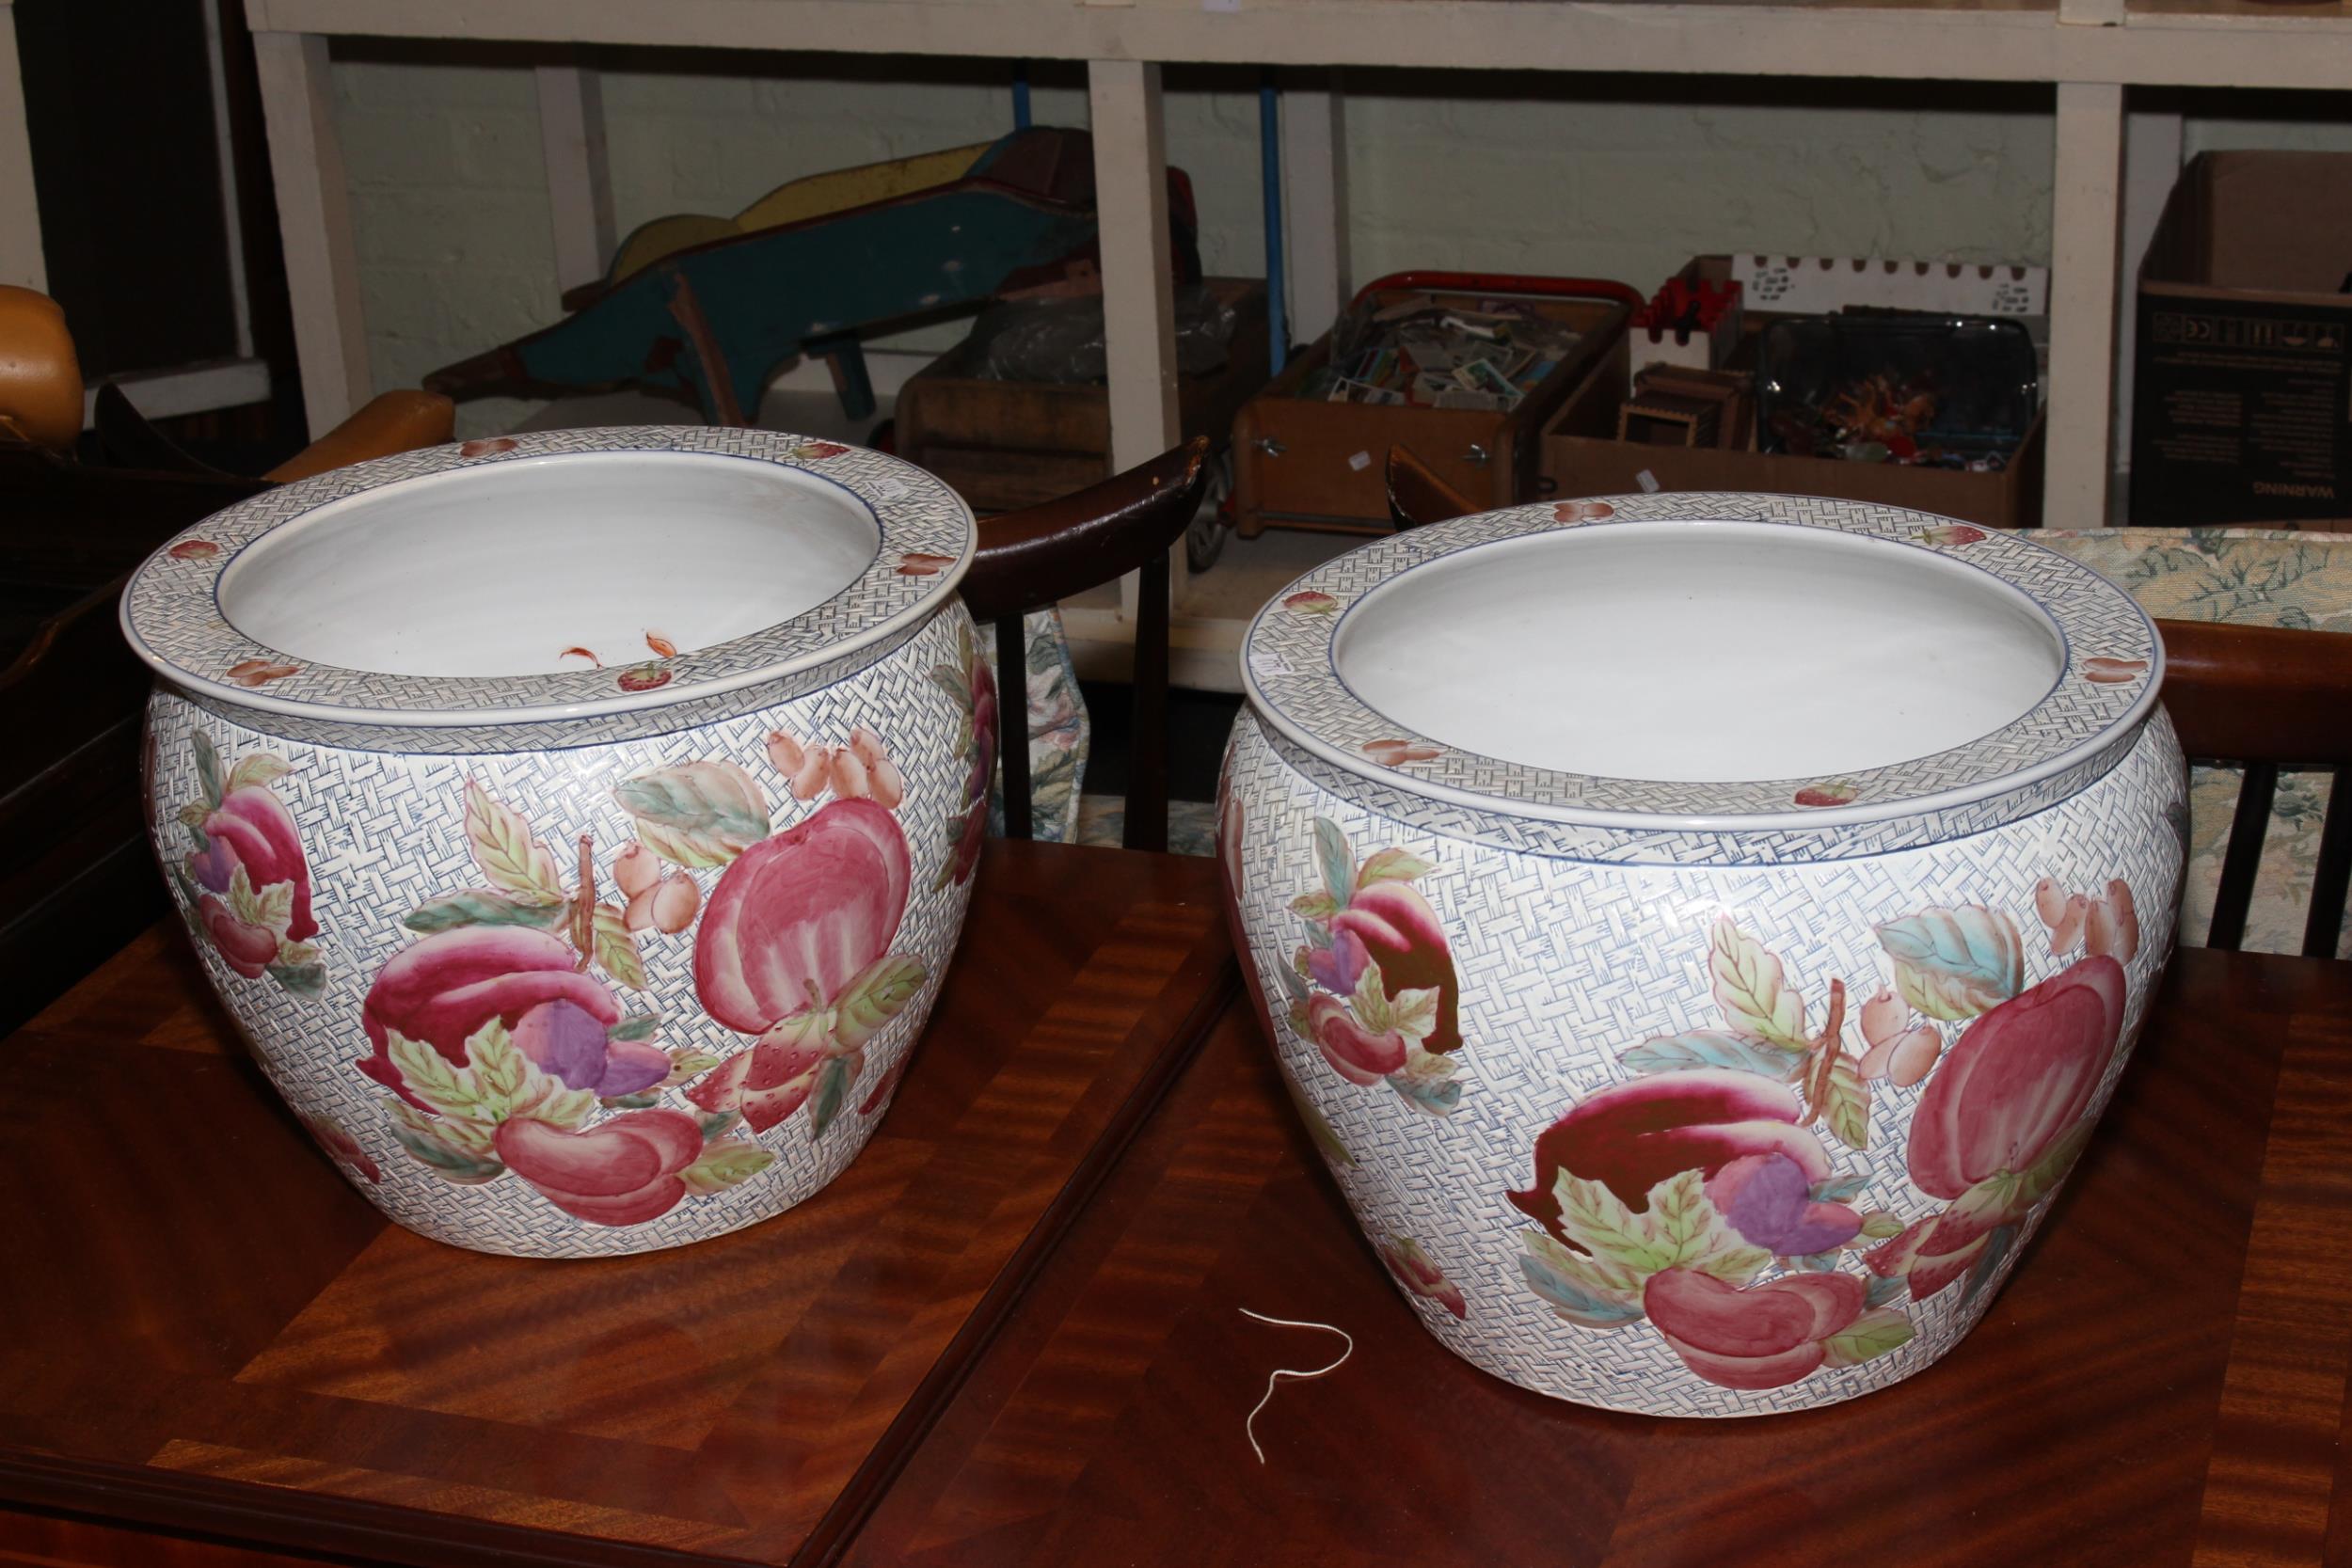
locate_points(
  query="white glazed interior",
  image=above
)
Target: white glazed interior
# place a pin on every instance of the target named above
(1698, 651)
(581, 550)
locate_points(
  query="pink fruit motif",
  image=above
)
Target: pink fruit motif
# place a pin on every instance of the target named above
(194, 549)
(1355, 1052)
(1309, 602)
(341, 1147)
(622, 1171)
(921, 563)
(442, 989)
(2010, 1099)
(1835, 793)
(1395, 753)
(487, 447)
(251, 830)
(795, 917)
(2113, 672)
(1740, 1130)
(258, 672)
(1951, 533)
(1416, 1273)
(245, 946)
(1398, 930)
(642, 677)
(1582, 512)
(1763, 1337)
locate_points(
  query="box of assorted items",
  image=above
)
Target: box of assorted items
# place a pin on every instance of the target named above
(1915, 406)
(1016, 414)
(1461, 369)
(2240, 411)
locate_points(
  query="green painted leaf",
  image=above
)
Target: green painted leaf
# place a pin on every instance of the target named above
(1694, 1233)
(1880, 1226)
(207, 766)
(697, 814)
(1413, 1013)
(688, 1065)
(1877, 1293)
(1713, 1047)
(1335, 859)
(1370, 1003)
(499, 1071)
(833, 1090)
(453, 1091)
(1314, 906)
(955, 683)
(1391, 865)
(1547, 1268)
(272, 907)
(874, 996)
(639, 1026)
(616, 948)
(1815, 1262)
(725, 1163)
(1842, 1189)
(302, 979)
(715, 1122)
(1846, 1105)
(2042, 1179)
(191, 816)
(643, 1099)
(508, 852)
(258, 767)
(1878, 1330)
(466, 1163)
(1598, 1220)
(1752, 991)
(1953, 965)
(481, 907)
(1997, 1247)
(1428, 1082)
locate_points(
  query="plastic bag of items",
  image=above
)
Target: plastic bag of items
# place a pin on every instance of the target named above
(1061, 340)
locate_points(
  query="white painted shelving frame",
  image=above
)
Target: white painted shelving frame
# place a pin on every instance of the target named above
(2091, 51)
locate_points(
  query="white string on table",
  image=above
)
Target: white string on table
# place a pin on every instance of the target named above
(1248, 1427)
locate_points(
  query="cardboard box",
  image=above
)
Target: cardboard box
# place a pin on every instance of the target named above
(2240, 410)
(1322, 466)
(1579, 465)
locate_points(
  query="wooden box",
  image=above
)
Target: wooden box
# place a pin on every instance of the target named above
(1322, 465)
(1002, 445)
(1579, 465)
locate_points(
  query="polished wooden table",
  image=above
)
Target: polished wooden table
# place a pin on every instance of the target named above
(1054, 1369)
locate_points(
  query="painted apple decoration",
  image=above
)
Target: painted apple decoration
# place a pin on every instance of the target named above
(797, 916)
(622, 1171)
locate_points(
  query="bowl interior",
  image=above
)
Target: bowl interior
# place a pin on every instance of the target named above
(539, 565)
(1699, 652)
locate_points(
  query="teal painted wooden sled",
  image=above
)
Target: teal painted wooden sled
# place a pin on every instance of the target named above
(707, 309)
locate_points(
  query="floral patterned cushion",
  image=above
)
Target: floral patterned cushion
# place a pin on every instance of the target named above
(1058, 732)
(2253, 577)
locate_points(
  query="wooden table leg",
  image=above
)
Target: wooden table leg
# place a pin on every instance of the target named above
(314, 220)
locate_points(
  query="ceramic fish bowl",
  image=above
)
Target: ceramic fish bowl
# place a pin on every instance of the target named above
(577, 825)
(1700, 931)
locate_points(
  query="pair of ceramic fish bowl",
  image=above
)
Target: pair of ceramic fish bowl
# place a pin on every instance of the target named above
(1698, 932)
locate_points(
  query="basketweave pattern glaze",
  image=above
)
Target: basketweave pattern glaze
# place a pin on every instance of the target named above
(171, 604)
(1291, 674)
(1564, 964)
(383, 832)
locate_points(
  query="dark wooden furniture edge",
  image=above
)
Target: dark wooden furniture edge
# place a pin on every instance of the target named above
(285, 1518)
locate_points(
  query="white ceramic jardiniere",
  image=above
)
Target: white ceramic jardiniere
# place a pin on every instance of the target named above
(578, 825)
(1701, 930)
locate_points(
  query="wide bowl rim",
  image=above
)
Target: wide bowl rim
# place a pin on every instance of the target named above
(2112, 670)
(171, 616)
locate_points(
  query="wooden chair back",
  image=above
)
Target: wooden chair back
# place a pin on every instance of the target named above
(2259, 697)
(1041, 555)
(2268, 699)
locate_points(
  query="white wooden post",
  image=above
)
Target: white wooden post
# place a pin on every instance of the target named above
(2152, 166)
(305, 164)
(1138, 274)
(20, 260)
(2083, 252)
(579, 182)
(1314, 206)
